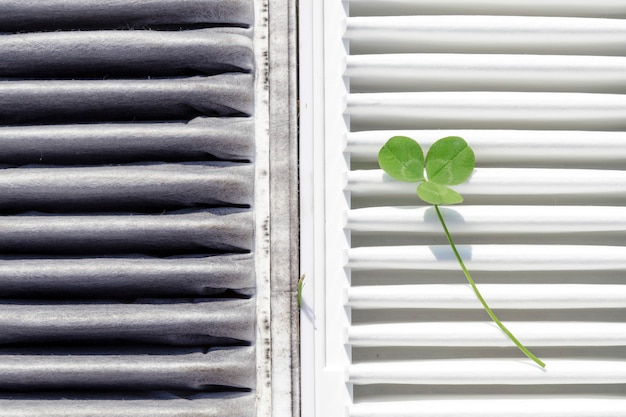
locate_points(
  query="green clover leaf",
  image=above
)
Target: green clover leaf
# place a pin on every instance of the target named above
(437, 194)
(402, 158)
(449, 161)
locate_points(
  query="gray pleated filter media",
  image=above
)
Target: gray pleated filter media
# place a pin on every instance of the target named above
(127, 271)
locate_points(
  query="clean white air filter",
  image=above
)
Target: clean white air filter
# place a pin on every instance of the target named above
(390, 326)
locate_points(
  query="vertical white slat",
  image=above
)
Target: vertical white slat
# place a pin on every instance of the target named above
(311, 124)
(324, 171)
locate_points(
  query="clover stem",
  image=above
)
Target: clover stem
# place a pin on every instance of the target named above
(480, 297)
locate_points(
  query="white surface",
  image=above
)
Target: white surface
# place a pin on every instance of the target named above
(495, 407)
(599, 8)
(477, 371)
(488, 334)
(323, 240)
(503, 182)
(491, 257)
(408, 72)
(512, 296)
(464, 219)
(540, 99)
(483, 109)
(572, 147)
(501, 34)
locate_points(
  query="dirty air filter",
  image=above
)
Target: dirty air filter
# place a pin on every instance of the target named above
(127, 262)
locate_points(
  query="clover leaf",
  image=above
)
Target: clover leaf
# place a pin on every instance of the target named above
(434, 193)
(402, 158)
(449, 161)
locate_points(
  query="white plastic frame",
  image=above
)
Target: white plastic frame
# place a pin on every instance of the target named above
(324, 202)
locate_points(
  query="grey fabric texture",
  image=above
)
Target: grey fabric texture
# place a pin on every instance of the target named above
(146, 52)
(127, 263)
(223, 405)
(195, 371)
(127, 187)
(204, 323)
(84, 101)
(205, 231)
(19, 15)
(132, 277)
(202, 138)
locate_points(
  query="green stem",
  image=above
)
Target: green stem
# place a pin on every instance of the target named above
(480, 297)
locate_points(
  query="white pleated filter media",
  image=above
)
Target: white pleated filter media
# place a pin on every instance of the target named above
(390, 326)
